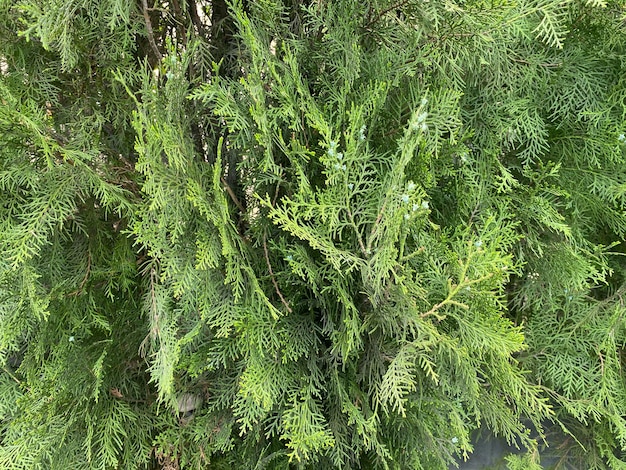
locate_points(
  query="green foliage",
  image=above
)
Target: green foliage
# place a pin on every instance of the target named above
(306, 234)
(528, 461)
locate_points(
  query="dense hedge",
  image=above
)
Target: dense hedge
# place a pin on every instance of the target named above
(310, 234)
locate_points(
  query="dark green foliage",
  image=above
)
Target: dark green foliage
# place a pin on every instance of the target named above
(310, 234)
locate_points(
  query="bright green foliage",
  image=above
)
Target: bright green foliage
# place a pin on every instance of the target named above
(310, 234)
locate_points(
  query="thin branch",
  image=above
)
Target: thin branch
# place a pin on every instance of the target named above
(454, 290)
(153, 304)
(356, 230)
(276, 193)
(84, 281)
(181, 20)
(385, 11)
(195, 19)
(375, 228)
(433, 310)
(547, 64)
(232, 195)
(473, 214)
(82, 284)
(269, 266)
(10, 374)
(203, 455)
(419, 251)
(146, 17)
(601, 360)
(445, 37)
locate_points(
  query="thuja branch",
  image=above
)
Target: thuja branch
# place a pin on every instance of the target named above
(272, 277)
(453, 291)
(410, 256)
(154, 328)
(375, 227)
(357, 232)
(449, 300)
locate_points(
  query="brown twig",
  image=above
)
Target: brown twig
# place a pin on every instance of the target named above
(84, 281)
(473, 214)
(146, 17)
(195, 19)
(385, 11)
(179, 18)
(10, 374)
(232, 195)
(269, 266)
(13, 376)
(276, 193)
(546, 65)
